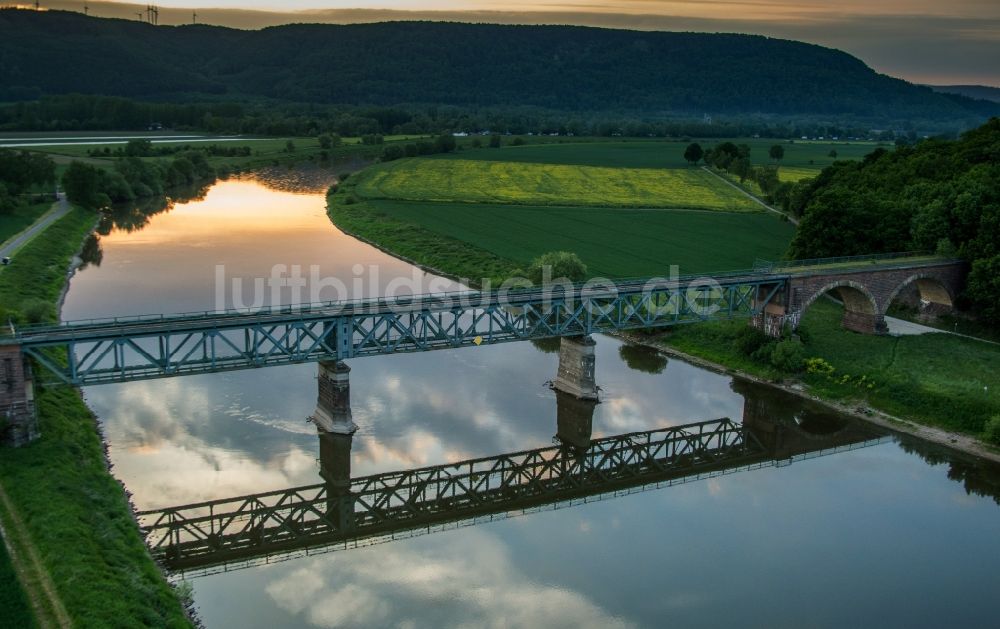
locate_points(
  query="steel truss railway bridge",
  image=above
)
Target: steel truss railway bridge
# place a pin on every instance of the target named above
(344, 512)
(772, 296)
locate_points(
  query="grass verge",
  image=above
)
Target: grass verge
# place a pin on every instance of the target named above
(76, 514)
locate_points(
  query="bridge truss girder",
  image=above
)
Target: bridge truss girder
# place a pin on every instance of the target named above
(140, 350)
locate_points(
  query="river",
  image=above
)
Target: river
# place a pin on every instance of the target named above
(898, 533)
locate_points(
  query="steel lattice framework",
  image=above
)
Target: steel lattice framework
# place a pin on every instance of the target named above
(124, 349)
(215, 532)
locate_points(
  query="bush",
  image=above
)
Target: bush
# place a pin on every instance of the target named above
(562, 264)
(749, 340)
(818, 365)
(36, 311)
(788, 355)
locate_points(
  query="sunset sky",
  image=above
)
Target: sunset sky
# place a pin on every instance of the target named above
(925, 41)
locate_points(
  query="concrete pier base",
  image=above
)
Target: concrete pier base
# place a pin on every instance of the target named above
(576, 367)
(333, 405)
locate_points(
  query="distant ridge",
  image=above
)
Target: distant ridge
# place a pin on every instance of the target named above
(566, 68)
(982, 92)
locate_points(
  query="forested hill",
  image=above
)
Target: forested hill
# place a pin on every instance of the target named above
(564, 68)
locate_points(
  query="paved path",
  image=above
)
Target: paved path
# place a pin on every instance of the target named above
(59, 209)
(749, 196)
(901, 327)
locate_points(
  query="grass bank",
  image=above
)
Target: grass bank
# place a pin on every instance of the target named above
(76, 514)
(939, 380)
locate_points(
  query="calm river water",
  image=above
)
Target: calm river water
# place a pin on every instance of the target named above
(896, 534)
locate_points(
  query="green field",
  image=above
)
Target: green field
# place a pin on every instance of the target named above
(796, 173)
(474, 181)
(612, 242)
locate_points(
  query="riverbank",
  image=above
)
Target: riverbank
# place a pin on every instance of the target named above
(75, 514)
(958, 442)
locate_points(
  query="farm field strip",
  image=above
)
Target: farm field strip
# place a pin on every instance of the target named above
(477, 181)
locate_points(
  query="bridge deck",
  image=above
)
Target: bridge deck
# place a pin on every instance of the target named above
(116, 350)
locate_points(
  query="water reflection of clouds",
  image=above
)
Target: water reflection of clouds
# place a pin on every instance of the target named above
(456, 580)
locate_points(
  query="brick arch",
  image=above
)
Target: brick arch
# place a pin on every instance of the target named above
(861, 308)
(933, 290)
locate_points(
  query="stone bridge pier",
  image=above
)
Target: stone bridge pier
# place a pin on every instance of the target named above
(333, 404)
(18, 421)
(866, 294)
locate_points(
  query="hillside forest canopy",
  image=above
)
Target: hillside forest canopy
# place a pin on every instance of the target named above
(568, 69)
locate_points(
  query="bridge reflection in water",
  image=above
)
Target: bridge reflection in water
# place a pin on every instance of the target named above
(343, 512)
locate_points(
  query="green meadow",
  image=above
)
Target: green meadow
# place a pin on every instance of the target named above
(477, 181)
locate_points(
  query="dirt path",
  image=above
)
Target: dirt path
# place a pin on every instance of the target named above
(58, 210)
(48, 607)
(748, 195)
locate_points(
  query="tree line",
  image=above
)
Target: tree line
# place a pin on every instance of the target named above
(21, 173)
(132, 178)
(77, 112)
